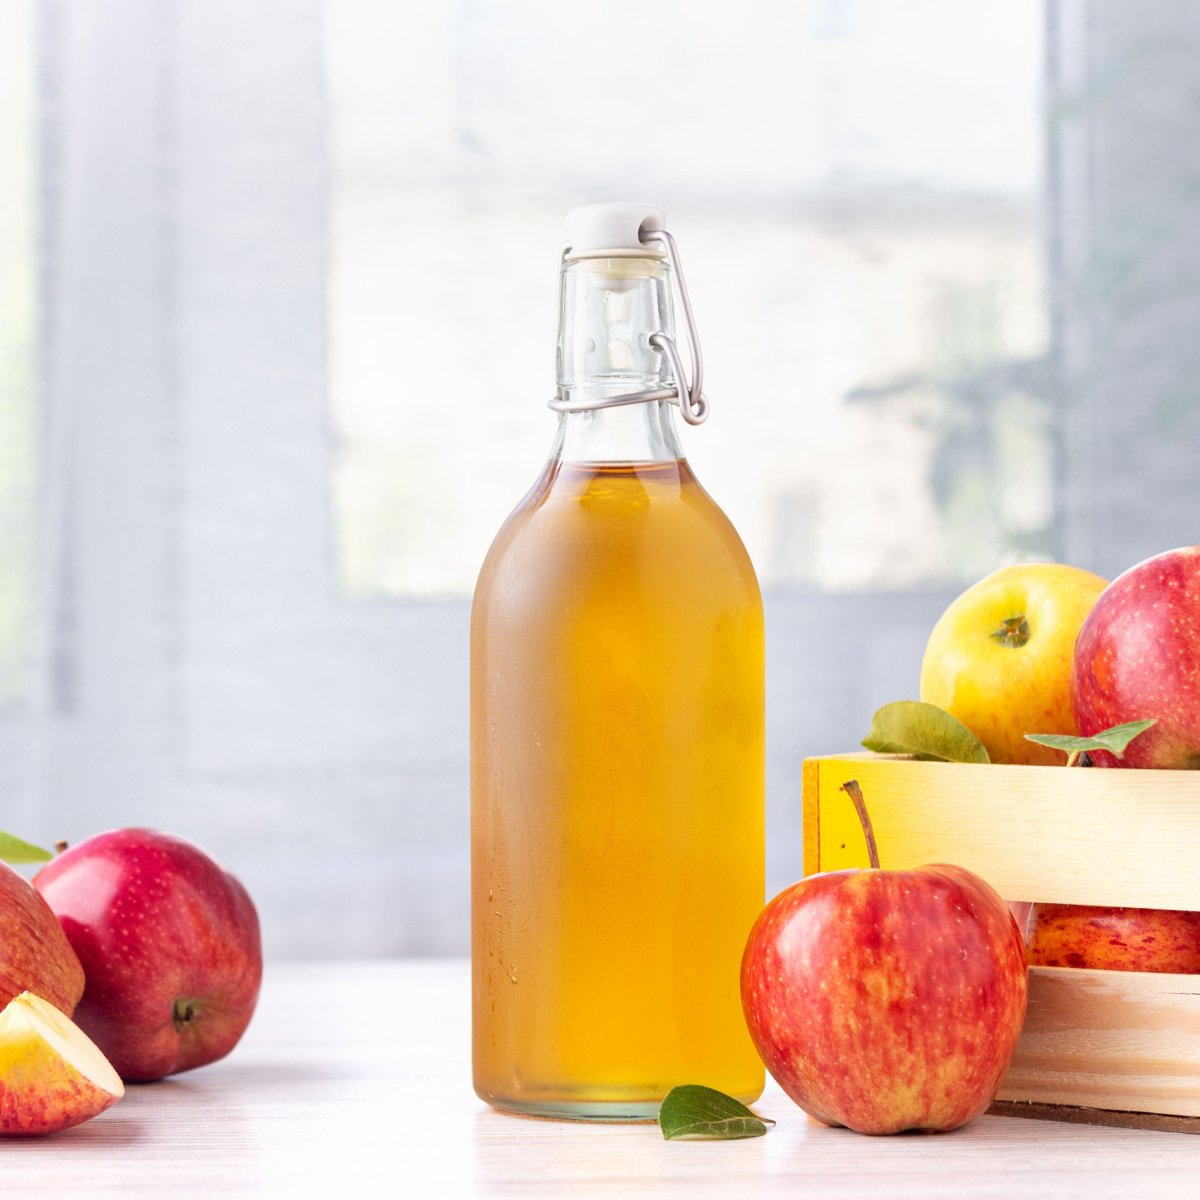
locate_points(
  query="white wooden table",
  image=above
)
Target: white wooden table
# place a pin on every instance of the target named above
(355, 1078)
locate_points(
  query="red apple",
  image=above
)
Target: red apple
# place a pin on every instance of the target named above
(1138, 657)
(35, 956)
(1114, 939)
(886, 1000)
(170, 946)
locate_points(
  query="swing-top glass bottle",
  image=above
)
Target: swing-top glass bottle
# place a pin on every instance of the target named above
(617, 762)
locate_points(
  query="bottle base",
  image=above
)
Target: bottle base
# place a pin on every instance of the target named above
(607, 1111)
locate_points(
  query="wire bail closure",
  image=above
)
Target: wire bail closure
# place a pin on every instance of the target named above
(692, 403)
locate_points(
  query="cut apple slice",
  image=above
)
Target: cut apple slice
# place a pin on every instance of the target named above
(52, 1076)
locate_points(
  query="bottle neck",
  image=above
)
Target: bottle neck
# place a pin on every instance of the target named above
(608, 309)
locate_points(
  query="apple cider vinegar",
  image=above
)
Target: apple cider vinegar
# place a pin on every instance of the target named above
(617, 759)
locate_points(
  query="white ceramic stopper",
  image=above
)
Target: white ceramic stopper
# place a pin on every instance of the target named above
(593, 228)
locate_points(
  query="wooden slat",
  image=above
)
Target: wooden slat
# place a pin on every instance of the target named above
(1109, 1039)
(1103, 837)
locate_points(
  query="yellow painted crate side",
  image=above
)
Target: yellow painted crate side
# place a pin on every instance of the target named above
(1068, 836)
(812, 815)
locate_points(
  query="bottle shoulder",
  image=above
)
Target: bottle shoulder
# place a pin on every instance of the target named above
(650, 527)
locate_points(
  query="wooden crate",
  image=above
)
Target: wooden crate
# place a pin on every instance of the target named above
(1109, 1047)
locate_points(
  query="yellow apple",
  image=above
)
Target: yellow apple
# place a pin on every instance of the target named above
(52, 1076)
(1000, 657)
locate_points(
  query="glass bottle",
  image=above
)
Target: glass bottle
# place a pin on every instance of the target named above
(617, 735)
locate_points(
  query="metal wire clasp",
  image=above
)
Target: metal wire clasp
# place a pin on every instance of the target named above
(693, 404)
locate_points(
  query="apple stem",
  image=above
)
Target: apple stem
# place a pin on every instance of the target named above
(60, 845)
(851, 788)
(1013, 631)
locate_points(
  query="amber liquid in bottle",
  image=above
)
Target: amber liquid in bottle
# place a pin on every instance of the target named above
(617, 788)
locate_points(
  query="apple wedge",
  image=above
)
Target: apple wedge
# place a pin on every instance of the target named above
(52, 1076)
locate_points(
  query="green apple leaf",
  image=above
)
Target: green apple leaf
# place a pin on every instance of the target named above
(924, 731)
(1115, 740)
(693, 1111)
(13, 850)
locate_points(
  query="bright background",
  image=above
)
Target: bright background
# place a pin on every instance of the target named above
(277, 302)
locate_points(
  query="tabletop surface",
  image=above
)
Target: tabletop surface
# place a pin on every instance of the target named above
(356, 1076)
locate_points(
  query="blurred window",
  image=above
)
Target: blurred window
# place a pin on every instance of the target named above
(864, 254)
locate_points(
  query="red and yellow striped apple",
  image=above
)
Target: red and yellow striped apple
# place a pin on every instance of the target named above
(1114, 939)
(886, 1000)
(35, 955)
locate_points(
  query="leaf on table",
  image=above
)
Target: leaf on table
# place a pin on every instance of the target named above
(694, 1111)
(924, 731)
(1115, 740)
(13, 850)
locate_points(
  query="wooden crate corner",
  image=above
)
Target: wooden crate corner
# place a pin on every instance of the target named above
(1098, 1047)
